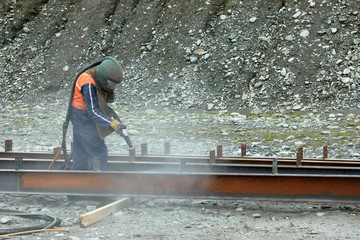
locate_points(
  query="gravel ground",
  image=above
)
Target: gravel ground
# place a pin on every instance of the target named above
(38, 127)
(195, 219)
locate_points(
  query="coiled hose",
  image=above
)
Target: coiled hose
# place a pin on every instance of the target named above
(50, 221)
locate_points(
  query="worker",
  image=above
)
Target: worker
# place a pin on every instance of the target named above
(91, 117)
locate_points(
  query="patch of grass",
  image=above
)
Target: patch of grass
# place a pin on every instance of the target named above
(351, 123)
(307, 133)
(201, 115)
(271, 136)
(316, 143)
(298, 115)
(19, 122)
(345, 134)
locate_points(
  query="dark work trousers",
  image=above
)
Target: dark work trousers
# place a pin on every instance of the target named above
(87, 142)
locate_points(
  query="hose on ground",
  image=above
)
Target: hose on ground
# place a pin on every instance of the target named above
(50, 221)
(36, 231)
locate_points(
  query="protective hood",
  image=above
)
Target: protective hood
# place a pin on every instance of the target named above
(108, 74)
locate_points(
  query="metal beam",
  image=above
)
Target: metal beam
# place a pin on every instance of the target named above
(214, 176)
(198, 159)
(184, 185)
(188, 164)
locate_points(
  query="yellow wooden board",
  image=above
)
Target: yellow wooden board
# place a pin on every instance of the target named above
(104, 211)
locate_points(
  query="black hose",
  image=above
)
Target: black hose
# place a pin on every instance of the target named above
(51, 221)
(68, 114)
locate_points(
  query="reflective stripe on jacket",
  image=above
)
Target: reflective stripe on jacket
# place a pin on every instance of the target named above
(85, 99)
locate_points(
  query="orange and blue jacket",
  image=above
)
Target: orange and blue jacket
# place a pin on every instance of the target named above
(85, 102)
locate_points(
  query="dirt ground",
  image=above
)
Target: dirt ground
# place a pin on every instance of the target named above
(194, 219)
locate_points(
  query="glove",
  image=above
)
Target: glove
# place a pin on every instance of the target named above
(117, 127)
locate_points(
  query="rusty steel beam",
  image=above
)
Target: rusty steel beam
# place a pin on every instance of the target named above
(211, 176)
(180, 185)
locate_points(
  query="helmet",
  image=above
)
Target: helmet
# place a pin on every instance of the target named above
(108, 74)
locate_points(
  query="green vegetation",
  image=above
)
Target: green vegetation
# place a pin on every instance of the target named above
(270, 136)
(352, 123)
(345, 134)
(19, 122)
(224, 127)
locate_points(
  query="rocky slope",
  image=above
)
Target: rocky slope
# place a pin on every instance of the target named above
(214, 54)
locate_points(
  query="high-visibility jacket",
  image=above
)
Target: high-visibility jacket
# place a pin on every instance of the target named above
(85, 101)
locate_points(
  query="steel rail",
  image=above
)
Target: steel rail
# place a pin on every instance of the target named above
(198, 159)
(47, 155)
(214, 176)
(340, 188)
(185, 166)
(299, 159)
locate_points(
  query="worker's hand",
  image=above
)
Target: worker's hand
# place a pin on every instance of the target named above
(117, 126)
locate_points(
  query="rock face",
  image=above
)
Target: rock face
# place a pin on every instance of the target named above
(267, 55)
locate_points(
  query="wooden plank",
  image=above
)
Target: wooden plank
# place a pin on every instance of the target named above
(92, 217)
(102, 212)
